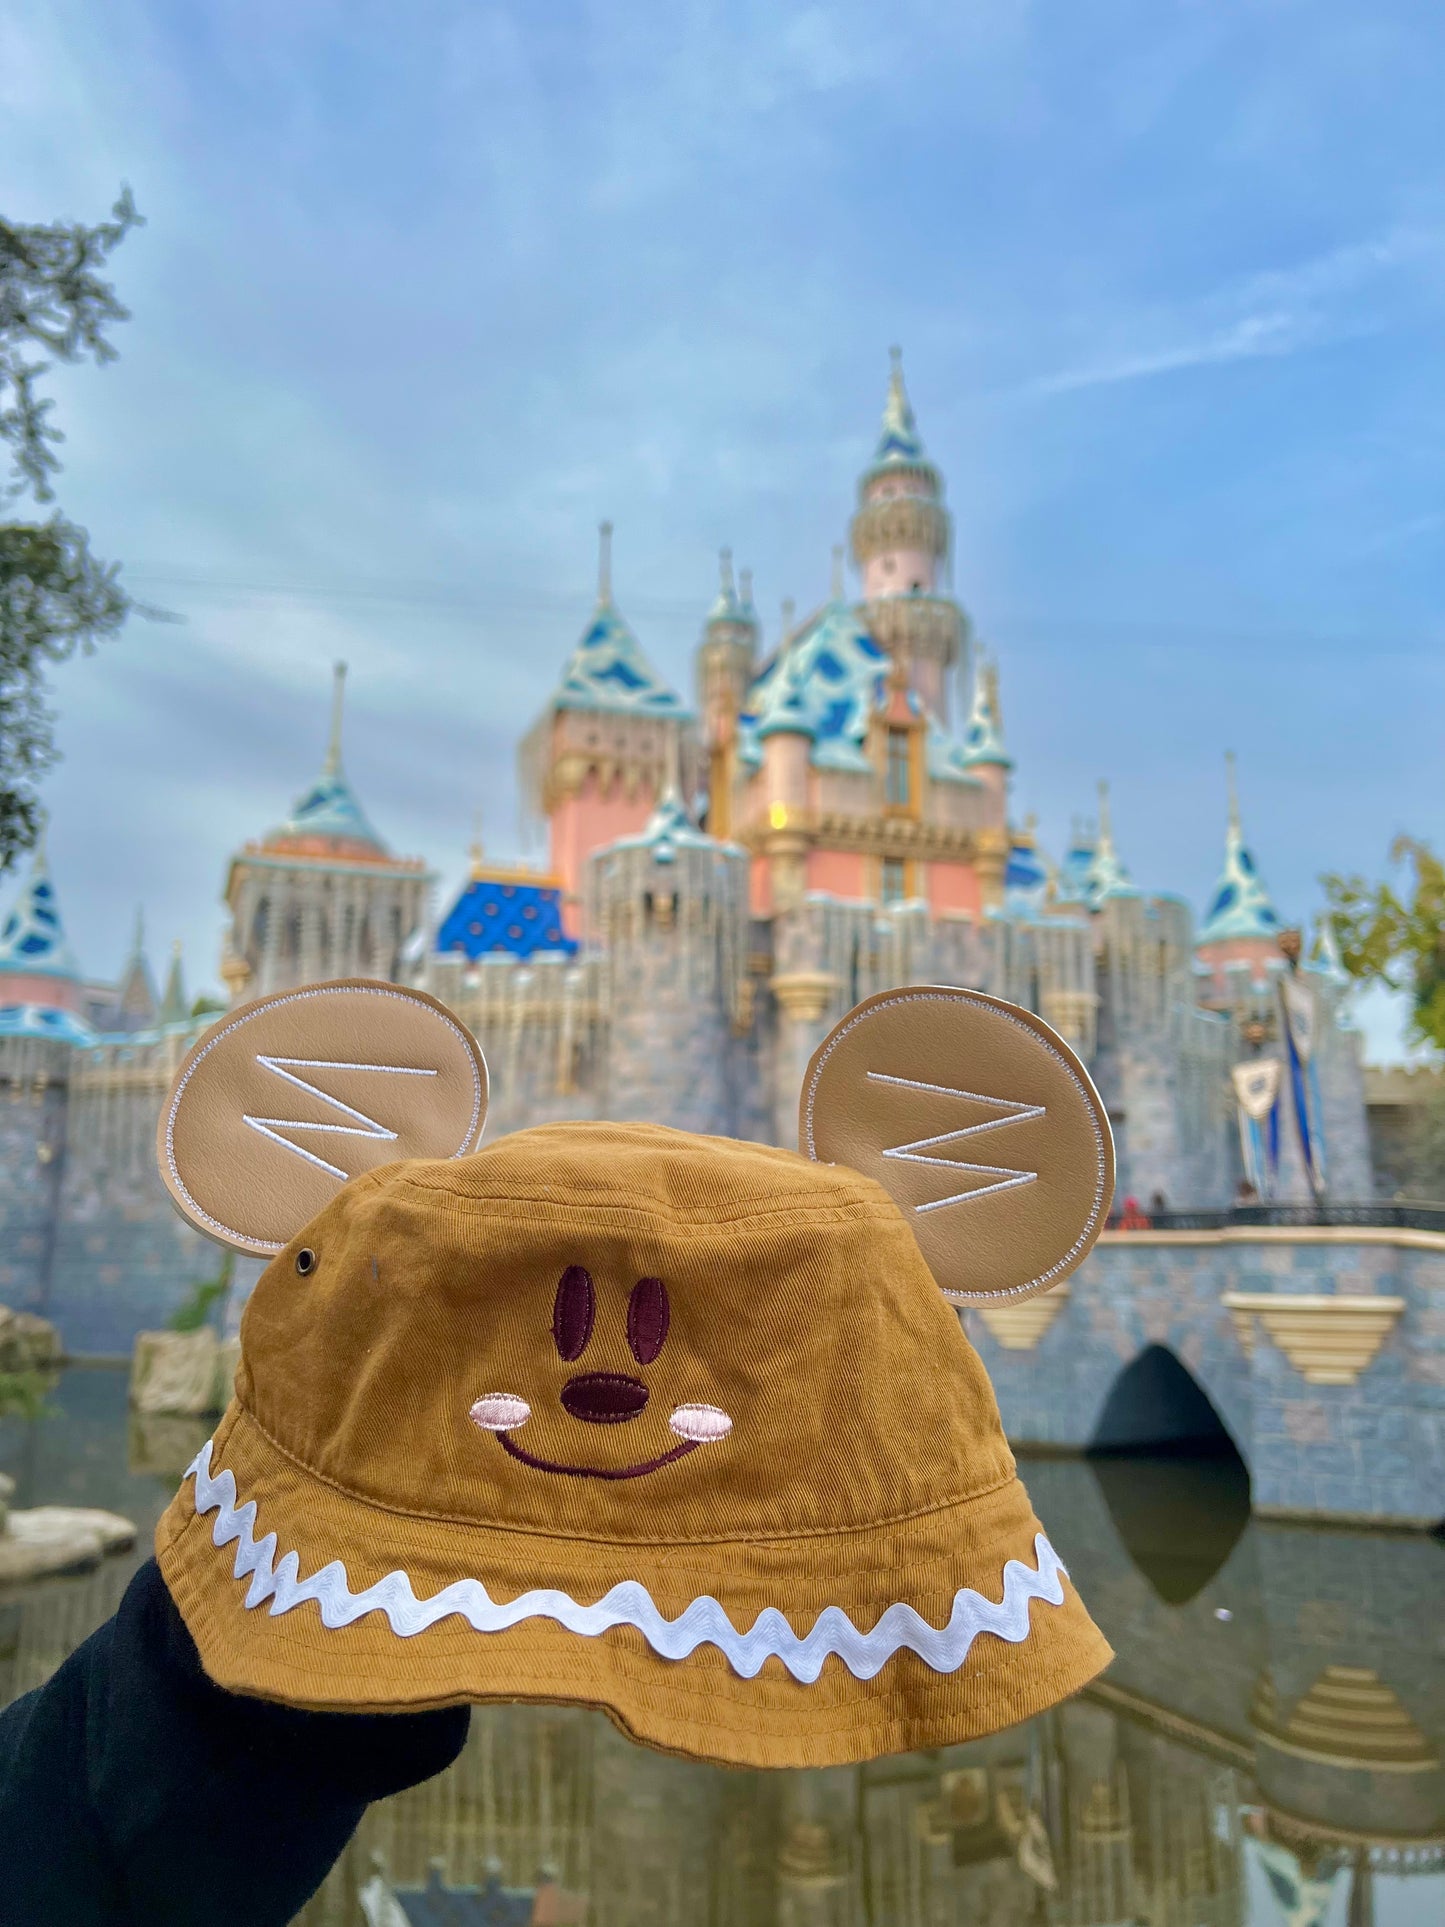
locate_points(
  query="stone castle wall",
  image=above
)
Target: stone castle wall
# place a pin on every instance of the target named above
(1370, 1449)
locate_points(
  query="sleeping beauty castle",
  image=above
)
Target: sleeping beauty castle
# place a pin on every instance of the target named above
(825, 814)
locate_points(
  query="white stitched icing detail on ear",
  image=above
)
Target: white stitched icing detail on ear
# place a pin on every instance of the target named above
(701, 1423)
(500, 1412)
(277, 1583)
(364, 1126)
(917, 1152)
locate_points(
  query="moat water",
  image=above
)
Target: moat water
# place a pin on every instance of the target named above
(1266, 1750)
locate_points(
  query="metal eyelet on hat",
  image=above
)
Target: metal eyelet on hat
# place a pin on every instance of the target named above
(306, 1261)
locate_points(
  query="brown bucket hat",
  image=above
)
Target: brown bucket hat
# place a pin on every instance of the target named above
(674, 1426)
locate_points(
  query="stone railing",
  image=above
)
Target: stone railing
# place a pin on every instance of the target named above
(1403, 1216)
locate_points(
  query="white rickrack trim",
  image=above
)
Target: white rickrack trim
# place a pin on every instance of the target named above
(704, 1623)
(230, 1232)
(1101, 1150)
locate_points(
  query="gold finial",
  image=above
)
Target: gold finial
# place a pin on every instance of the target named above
(836, 588)
(988, 671)
(1106, 826)
(475, 851)
(725, 572)
(338, 699)
(604, 564)
(1232, 784)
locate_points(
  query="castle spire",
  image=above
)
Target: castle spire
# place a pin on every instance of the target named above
(899, 440)
(174, 1007)
(1240, 905)
(33, 940)
(604, 565)
(1231, 779)
(332, 765)
(1107, 876)
(727, 608)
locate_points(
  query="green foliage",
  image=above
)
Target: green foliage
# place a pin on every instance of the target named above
(55, 596)
(1397, 939)
(207, 1007)
(209, 1295)
(23, 1394)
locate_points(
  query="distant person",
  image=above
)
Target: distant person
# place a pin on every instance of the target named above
(1246, 1194)
(1158, 1204)
(1132, 1218)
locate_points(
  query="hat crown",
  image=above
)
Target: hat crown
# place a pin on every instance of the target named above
(784, 1296)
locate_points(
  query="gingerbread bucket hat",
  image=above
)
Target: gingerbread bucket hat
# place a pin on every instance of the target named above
(679, 1427)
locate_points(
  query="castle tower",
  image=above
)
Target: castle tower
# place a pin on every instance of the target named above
(595, 762)
(989, 763)
(37, 965)
(321, 896)
(136, 998)
(901, 536)
(669, 908)
(726, 659)
(1238, 944)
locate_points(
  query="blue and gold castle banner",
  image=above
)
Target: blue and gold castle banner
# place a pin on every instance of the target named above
(1301, 1023)
(1257, 1090)
(509, 912)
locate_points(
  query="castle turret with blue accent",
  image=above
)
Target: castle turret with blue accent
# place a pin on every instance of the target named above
(42, 999)
(321, 896)
(1298, 1075)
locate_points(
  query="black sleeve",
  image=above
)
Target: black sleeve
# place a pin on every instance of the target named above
(135, 1793)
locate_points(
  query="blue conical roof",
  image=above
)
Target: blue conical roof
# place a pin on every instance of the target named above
(329, 807)
(33, 939)
(1240, 905)
(899, 442)
(607, 670)
(1107, 877)
(668, 830)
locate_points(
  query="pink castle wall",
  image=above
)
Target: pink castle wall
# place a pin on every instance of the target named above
(842, 873)
(909, 566)
(1258, 952)
(953, 886)
(52, 993)
(583, 823)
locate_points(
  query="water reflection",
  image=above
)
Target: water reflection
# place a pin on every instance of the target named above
(1265, 1752)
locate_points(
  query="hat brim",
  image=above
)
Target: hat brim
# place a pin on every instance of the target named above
(276, 1648)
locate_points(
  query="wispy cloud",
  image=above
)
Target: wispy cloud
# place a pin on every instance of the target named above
(1335, 296)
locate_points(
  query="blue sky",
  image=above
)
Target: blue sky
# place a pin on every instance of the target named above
(425, 293)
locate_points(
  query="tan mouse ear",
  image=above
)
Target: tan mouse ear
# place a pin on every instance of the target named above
(284, 1099)
(981, 1123)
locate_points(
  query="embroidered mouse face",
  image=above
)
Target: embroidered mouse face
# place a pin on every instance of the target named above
(603, 1397)
(622, 1329)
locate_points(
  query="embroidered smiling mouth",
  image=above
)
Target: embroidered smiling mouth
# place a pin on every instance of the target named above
(597, 1471)
(504, 1413)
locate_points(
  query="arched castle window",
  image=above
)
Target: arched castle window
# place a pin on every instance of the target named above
(261, 923)
(291, 934)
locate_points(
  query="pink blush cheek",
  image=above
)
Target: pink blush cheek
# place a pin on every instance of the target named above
(702, 1424)
(500, 1412)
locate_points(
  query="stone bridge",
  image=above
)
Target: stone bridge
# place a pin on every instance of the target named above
(1318, 1352)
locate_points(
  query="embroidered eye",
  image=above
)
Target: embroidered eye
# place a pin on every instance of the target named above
(648, 1316)
(573, 1311)
(306, 1261)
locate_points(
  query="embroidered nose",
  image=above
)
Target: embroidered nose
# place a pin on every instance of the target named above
(604, 1398)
